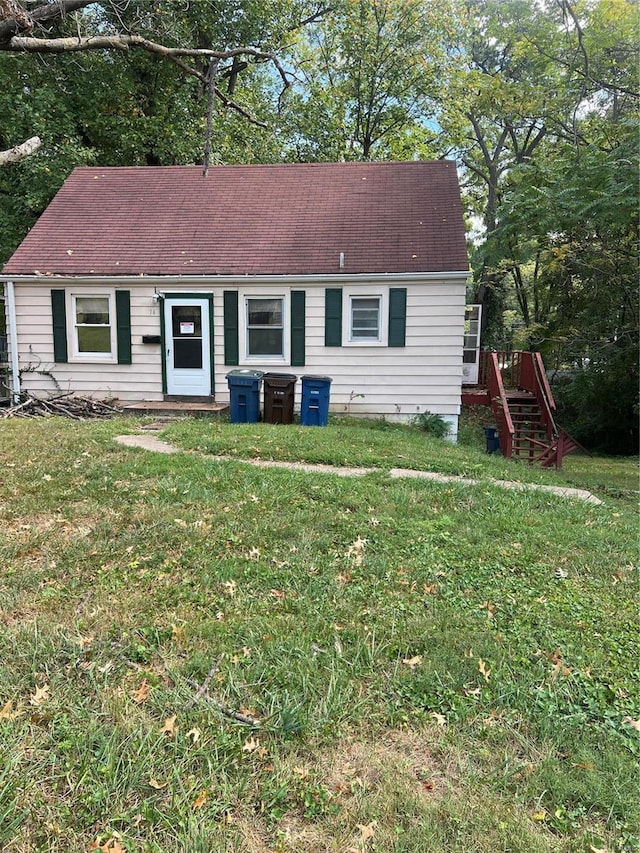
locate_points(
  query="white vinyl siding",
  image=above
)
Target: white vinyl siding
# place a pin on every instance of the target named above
(104, 380)
(368, 379)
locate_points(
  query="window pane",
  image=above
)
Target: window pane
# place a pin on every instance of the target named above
(365, 318)
(187, 353)
(264, 312)
(93, 310)
(94, 339)
(186, 320)
(265, 341)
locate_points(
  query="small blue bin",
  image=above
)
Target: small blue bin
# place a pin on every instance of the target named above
(244, 396)
(493, 440)
(314, 409)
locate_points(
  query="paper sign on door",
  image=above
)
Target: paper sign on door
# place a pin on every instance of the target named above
(187, 328)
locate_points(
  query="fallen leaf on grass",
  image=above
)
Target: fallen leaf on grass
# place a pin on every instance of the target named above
(40, 696)
(194, 734)
(430, 589)
(157, 786)
(413, 662)
(7, 712)
(539, 816)
(483, 670)
(635, 724)
(230, 587)
(177, 632)
(249, 712)
(356, 550)
(142, 693)
(201, 799)
(110, 846)
(169, 728)
(440, 719)
(367, 830)
(276, 593)
(474, 694)
(251, 744)
(559, 669)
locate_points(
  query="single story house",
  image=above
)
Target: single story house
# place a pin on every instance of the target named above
(145, 284)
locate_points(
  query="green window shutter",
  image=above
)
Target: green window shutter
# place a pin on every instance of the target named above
(297, 327)
(397, 316)
(59, 314)
(231, 348)
(123, 325)
(333, 317)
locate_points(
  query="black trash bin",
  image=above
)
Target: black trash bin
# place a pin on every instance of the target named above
(279, 393)
(493, 440)
(244, 396)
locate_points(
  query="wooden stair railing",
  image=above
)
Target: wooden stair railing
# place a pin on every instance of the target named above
(499, 404)
(525, 409)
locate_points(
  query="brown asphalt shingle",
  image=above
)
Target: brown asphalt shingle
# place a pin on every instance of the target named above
(291, 219)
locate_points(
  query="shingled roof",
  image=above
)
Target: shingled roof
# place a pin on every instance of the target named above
(287, 219)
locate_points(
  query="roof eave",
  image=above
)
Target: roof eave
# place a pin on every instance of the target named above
(316, 278)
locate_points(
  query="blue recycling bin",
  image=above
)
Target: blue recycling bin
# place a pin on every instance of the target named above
(493, 439)
(314, 409)
(244, 396)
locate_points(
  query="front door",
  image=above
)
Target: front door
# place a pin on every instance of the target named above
(187, 347)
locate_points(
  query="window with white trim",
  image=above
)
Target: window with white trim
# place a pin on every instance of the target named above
(265, 337)
(365, 319)
(93, 324)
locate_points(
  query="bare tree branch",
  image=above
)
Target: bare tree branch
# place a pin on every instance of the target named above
(238, 108)
(16, 36)
(19, 152)
(14, 19)
(211, 96)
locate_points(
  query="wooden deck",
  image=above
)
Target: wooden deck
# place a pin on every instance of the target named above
(474, 395)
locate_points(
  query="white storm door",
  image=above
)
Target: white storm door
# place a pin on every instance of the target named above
(471, 349)
(187, 347)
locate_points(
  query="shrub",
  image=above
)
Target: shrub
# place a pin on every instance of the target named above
(434, 425)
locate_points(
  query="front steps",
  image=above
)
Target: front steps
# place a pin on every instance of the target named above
(171, 409)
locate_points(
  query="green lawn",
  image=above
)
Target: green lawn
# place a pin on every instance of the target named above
(429, 667)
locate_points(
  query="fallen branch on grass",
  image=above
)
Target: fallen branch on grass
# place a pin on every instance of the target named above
(245, 719)
(203, 688)
(202, 692)
(64, 405)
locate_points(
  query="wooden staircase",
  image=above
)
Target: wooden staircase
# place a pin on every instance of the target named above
(515, 386)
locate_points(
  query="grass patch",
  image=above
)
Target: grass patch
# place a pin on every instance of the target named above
(380, 444)
(433, 666)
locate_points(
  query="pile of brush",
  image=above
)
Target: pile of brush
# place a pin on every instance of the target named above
(64, 405)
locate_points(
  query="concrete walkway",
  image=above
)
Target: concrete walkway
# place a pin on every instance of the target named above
(151, 442)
